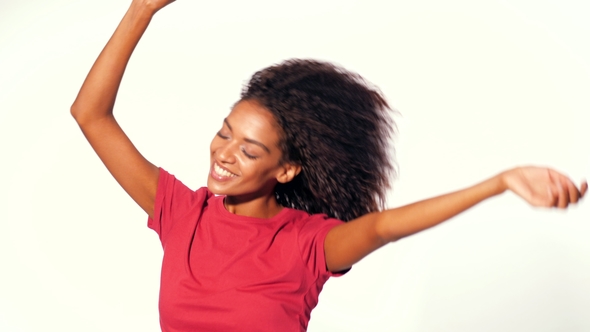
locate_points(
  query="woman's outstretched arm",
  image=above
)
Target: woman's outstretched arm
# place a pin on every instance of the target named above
(93, 108)
(349, 243)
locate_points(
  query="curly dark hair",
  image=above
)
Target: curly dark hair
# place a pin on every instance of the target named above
(337, 127)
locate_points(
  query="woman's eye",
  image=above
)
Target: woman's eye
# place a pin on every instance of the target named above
(221, 135)
(249, 156)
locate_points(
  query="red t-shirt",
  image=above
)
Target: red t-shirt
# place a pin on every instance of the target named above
(224, 272)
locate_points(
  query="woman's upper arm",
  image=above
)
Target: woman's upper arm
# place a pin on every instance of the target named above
(350, 242)
(134, 173)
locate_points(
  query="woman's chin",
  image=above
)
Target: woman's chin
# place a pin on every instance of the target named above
(214, 187)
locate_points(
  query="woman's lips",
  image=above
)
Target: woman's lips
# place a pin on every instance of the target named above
(221, 174)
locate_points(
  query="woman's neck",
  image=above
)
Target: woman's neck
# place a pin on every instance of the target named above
(260, 207)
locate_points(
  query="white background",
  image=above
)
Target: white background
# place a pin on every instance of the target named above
(480, 86)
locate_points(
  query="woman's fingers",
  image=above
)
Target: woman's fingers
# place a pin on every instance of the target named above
(559, 198)
(574, 194)
(564, 196)
(562, 199)
(568, 193)
(583, 189)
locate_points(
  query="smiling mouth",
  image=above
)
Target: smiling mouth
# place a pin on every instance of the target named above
(222, 172)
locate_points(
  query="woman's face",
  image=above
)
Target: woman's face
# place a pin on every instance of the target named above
(245, 157)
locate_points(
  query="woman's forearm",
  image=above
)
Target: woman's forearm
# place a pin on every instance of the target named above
(348, 243)
(99, 91)
(400, 222)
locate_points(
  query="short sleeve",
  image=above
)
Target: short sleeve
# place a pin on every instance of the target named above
(174, 200)
(311, 243)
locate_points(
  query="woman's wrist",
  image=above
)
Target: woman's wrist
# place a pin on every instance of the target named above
(143, 9)
(149, 7)
(502, 182)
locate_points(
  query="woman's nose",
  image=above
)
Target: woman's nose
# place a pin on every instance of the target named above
(226, 153)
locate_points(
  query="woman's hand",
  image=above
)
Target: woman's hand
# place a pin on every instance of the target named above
(543, 186)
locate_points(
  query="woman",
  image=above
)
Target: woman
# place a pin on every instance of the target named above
(304, 149)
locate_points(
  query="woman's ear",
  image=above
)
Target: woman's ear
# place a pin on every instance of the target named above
(288, 172)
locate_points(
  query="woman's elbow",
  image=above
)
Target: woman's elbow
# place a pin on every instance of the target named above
(385, 230)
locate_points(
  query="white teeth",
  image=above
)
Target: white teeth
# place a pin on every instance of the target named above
(221, 171)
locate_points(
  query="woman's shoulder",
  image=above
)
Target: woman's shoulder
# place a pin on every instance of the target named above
(312, 221)
(166, 177)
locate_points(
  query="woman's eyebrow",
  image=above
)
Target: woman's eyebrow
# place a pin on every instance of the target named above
(249, 140)
(227, 123)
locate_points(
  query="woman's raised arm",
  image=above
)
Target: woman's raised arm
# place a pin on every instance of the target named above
(349, 243)
(93, 108)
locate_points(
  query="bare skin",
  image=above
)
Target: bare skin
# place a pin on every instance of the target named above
(541, 187)
(247, 146)
(250, 131)
(93, 108)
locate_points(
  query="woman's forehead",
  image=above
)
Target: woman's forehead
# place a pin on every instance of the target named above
(253, 120)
